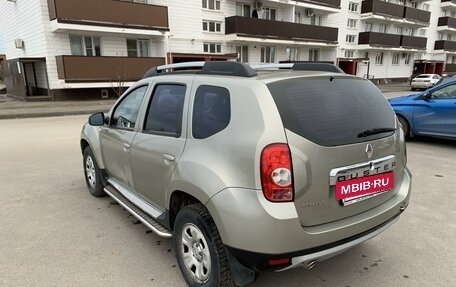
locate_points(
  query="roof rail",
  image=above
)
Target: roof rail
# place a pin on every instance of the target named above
(208, 68)
(310, 66)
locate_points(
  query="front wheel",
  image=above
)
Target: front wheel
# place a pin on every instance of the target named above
(199, 249)
(92, 174)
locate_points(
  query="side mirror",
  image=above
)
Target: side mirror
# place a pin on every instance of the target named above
(97, 119)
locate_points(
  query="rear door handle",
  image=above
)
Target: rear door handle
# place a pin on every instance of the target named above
(168, 158)
(126, 147)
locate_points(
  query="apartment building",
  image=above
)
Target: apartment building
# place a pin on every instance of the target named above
(69, 49)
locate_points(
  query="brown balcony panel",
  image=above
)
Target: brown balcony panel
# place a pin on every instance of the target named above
(452, 1)
(379, 39)
(445, 45)
(253, 27)
(447, 21)
(450, 68)
(413, 42)
(382, 8)
(330, 3)
(113, 13)
(104, 69)
(417, 15)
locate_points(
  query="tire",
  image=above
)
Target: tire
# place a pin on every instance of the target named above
(405, 126)
(92, 174)
(199, 249)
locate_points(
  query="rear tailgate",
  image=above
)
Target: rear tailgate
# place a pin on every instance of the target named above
(347, 156)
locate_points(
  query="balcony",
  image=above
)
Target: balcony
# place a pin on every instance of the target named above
(379, 39)
(413, 14)
(445, 45)
(412, 42)
(447, 21)
(391, 40)
(448, 4)
(382, 8)
(259, 28)
(109, 13)
(330, 3)
(104, 69)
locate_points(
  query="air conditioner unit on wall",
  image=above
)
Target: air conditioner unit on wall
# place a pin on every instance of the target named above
(19, 43)
(309, 12)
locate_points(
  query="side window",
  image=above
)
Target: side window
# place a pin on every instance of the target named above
(126, 113)
(448, 92)
(164, 115)
(211, 111)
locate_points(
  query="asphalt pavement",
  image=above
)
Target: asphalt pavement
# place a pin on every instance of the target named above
(11, 108)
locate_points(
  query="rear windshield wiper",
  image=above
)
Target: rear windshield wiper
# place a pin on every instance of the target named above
(371, 132)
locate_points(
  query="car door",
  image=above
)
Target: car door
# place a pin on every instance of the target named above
(117, 137)
(435, 113)
(158, 146)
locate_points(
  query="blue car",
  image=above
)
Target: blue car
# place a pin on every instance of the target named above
(430, 113)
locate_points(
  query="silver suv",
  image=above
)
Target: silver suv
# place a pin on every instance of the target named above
(249, 168)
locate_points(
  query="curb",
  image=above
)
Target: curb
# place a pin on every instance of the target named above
(50, 114)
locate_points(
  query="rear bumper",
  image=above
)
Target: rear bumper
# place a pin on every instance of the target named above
(273, 231)
(421, 85)
(305, 257)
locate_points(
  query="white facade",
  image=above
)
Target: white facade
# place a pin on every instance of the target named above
(198, 28)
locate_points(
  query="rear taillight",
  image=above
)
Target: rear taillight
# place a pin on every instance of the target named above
(277, 173)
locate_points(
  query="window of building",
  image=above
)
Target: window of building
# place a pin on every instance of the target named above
(315, 20)
(351, 23)
(212, 26)
(164, 114)
(211, 111)
(426, 6)
(349, 54)
(242, 9)
(423, 32)
(399, 30)
(368, 27)
(269, 13)
(440, 36)
(137, 48)
(453, 60)
(353, 6)
(407, 58)
(293, 54)
(214, 48)
(298, 18)
(366, 55)
(395, 60)
(350, 38)
(379, 58)
(85, 45)
(211, 4)
(243, 53)
(449, 37)
(382, 28)
(314, 55)
(267, 54)
(413, 4)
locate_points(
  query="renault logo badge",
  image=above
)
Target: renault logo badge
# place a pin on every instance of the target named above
(369, 150)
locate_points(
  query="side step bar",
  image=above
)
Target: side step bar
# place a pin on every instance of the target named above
(146, 219)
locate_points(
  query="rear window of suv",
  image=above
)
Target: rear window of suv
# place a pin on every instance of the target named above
(332, 111)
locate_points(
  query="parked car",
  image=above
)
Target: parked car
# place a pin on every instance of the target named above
(429, 113)
(249, 169)
(424, 81)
